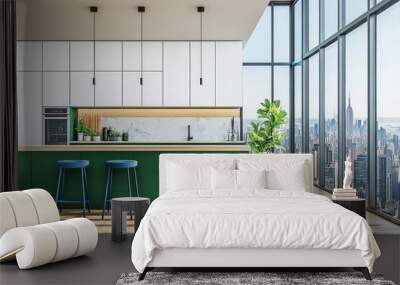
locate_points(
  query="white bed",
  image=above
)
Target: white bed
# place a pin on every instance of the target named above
(247, 227)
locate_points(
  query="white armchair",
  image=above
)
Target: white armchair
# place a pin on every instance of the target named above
(31, 230)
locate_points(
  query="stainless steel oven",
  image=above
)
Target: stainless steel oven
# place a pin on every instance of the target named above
(55, 125)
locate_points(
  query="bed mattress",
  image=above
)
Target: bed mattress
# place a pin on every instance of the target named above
(250, 219)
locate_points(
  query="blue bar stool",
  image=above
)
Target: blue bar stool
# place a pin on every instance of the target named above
(118, 164)
(72, 164)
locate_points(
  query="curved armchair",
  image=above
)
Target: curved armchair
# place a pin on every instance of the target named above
(31, 230)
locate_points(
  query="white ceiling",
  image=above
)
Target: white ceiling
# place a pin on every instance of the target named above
(119, 19)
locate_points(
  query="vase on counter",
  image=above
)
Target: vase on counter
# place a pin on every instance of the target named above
(80, 137)
(96, 138)
(87, 138)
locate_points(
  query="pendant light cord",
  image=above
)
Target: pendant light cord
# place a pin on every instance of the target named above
(141, 48)
(94, 48)
(201, 48)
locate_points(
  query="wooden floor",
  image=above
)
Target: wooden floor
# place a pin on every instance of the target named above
(103, 226)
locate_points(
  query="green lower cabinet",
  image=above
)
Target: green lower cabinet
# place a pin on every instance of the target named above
(38, 169)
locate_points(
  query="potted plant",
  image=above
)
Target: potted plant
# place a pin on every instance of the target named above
(266, 135)
(80, 128)
(87, 134)
(95, 136)
(118, 136)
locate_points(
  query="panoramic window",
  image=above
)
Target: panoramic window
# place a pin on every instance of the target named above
(388, 100)
(331, 18)
(354, 9)
(313, 23)
(356, 124)
(281, 93)
(331, 116)
(313, 99)
(281, 33)
(258, 47)
(256, 87)
(298, 105)
(298, 30)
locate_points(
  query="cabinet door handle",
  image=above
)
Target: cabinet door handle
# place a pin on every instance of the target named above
(94, 81)
(141, 80)
(201, 80)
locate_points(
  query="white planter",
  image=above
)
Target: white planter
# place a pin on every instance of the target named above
(96, 138)
(87, 138)
(80, 137)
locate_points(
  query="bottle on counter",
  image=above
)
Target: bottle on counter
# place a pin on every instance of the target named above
(104, 134)
(125, 136)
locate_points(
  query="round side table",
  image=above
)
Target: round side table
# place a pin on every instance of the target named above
(119, 209)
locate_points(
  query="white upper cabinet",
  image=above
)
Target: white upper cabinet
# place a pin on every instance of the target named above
(202, 94)
(152, 56)
(108, 91)
(82, 56)
(29, 56)
(132, 90)
(152, 89)
(29, 95)
(132, 56)
(55, 88)
(229, 74)
(56, 56)
(176, 73)
(82, 89)
(108, 56)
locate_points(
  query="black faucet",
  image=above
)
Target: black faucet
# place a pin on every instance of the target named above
(189, 137)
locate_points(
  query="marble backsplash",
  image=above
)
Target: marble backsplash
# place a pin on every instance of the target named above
(164, 129)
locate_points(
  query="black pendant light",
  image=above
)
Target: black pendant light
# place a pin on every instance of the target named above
(200, 10)
(93, 10)
(141, 10)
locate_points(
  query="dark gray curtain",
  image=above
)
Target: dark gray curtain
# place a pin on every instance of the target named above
(8, 97)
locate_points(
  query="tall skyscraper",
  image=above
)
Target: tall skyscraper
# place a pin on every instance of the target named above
(349, 119)
(361, 175)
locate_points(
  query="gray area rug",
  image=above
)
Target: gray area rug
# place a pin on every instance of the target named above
(232, 278)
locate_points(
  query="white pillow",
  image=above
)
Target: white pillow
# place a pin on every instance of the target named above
(251, 178)
(182, 177)
(291, 179)
(284, 171)
(223, 179)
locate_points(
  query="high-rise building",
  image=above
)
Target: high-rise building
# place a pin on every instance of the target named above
(360, 173)
(349, 119)
(381, 181)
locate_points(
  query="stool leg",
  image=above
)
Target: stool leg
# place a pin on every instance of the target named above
(86, 190)
(129, 183)
(109, 191)
(129, 188)
(137, 187)
(106, 194)
(58, 185)
(83, 192)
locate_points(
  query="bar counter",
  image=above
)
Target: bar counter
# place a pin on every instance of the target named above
(37, 167)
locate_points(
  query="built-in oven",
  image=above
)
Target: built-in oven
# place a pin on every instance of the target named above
(55, 125)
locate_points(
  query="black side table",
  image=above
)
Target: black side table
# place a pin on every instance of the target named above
(119, 209)
(356, 205)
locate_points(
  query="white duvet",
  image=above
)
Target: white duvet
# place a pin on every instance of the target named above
(250, 219)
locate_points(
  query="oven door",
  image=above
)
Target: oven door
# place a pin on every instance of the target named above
(55, 130)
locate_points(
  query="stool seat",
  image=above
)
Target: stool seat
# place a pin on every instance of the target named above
(72, 163)
(121, 163)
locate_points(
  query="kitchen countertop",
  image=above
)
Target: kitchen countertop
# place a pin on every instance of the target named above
(130, 146)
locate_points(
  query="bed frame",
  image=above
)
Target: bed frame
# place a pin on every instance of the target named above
(242, 259)
(249, 259)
